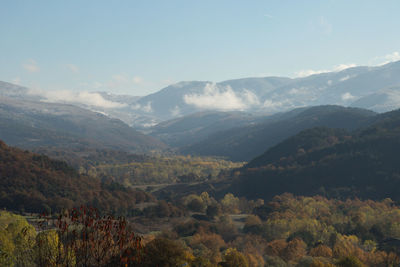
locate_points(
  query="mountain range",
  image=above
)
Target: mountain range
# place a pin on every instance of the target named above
(355, 87)
(376, 88)
(248, 141)
(237, 119)
(30, 124)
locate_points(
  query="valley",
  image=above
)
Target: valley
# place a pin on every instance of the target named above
(199, 133)
(302, 185)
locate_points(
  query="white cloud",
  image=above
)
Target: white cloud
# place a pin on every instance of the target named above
(73, 68)
(31, 66)
(395, 56)
(379, 61)
(137, 79)
(86, 98)
(347, 96)
(341, 67)
(214, 97)
(345, 78)
(336, 68)
(269, 104)
(147, 108)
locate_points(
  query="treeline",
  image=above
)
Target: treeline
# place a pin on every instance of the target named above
(136, 169)
(160, 170)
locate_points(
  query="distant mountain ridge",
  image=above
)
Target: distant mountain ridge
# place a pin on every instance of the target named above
(277, 94)
(193, 128)
(376, 88)
(245, 142)
(29, 124)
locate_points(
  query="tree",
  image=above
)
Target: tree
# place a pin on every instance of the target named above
(213, 210)
(230, 203)
(234, 258)
(295, 250)
(17, 240)
(164, 252)
(350, 261)
(84, 237)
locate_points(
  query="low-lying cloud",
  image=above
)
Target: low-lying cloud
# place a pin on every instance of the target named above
(222, 98)
(347, 96)
(337, 68)
(85, 98)
(392, 57)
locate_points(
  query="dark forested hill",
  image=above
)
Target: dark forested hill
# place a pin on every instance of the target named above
(34, 183)
(29, 124)
(244, 143)
(193, 128)
(330, 162)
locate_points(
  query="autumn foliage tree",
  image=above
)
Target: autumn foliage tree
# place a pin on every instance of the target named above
(83, 237)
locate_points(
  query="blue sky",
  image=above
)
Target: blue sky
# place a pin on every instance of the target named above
(138, 47)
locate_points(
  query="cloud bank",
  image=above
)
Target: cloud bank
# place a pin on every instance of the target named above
(221, 98)
(337, 68)
(85, 98)
(392, 57)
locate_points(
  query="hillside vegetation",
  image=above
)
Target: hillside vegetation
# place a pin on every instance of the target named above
(247, 142)
(334, 163)
(35, 183)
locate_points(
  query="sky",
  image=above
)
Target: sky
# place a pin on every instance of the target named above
(138, 47)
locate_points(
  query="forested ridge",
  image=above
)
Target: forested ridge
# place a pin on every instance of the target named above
(34, 183)
(246, 142)
(334, 163)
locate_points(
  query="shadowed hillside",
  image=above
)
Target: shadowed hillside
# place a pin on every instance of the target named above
(244, 143)
(330, 162)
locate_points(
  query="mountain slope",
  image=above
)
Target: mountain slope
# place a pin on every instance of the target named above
(365, 87)
(273, 94)
(33, 124)
(193, 128)
(189, 97)
(330, 162)
(34, 183)
(244, 143)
